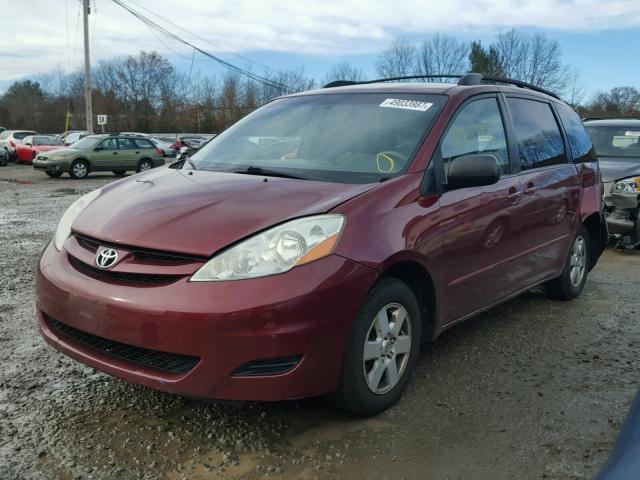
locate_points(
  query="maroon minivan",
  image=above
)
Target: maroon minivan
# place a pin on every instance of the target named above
(313, 246)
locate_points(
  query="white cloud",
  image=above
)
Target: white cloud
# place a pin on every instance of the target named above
(36, 39)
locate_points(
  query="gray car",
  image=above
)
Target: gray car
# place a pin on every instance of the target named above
(617, 144)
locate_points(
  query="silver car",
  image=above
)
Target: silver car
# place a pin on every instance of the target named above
(617, 144)
(9, 139)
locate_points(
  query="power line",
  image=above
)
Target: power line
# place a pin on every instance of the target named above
(258, 78)
(139, 5)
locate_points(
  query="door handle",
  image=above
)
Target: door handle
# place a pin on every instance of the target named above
(115, 153)
(531, 189)
(137, 153)
(514, 195)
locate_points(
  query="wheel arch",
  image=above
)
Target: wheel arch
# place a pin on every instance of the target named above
(598, 236)
(419, 279)
(81, 159)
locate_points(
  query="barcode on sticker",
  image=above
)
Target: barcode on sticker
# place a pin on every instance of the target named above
(406, 104)
(632, 134)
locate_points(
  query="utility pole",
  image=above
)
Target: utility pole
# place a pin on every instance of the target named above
(87, 68)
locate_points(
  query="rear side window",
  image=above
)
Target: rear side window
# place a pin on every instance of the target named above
(143, 143)
(476, 130)
(580, 144)
(109, 144)
(21, 135)
(537, 132)
(126, 144)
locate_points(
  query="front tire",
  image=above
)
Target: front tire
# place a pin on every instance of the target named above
(79, 169)
(382, 350)
(571, 281)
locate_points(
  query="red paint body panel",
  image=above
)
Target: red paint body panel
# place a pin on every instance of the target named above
(26, 153)
(227, 324)
(202, 213)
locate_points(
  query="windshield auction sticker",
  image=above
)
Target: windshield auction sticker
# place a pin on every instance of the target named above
(406, 104)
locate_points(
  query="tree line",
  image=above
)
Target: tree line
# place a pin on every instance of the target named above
(146, 93)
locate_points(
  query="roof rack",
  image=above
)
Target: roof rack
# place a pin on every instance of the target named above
(612, 117)
(467, 79)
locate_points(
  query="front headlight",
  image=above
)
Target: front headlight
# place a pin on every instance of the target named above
(627, 185)
(64, 226)
(276, 250)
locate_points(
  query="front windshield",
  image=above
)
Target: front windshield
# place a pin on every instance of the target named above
(610, 141)
(346, 138)
(86, 143)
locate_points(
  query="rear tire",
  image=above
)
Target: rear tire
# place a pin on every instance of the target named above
(144, 165)
(53, 174)
(382, 350)
(119, 173)
(571, 281)
(79, 169)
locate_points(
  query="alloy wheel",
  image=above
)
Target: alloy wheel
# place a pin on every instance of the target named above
(387, 347)
(578, 261)
(79, 169)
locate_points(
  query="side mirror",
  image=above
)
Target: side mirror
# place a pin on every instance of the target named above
(98, 148)
(473, 171)
(28, 144)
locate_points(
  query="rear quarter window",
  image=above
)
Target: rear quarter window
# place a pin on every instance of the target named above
(580, 143)
(143, 143)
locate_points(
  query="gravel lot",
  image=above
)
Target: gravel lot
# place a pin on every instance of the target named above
(534, 388)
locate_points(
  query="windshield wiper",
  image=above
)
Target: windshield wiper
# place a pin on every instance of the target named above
(267, 173)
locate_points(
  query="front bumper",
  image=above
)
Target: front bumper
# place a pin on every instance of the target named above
(622, 213)
(50, 165)
(305, 313)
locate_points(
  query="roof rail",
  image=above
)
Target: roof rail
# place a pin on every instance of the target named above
(468, 79)
(344, 83)
(612, 117)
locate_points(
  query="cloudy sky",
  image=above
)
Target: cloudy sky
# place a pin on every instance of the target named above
(597, 36)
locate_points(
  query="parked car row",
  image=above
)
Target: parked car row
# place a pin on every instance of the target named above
(10, 139)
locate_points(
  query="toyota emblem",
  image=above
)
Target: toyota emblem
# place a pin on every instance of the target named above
(107, 258)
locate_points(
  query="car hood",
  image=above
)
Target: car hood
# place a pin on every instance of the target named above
(202, 212)
(58, 150)
(616, 168)
(45, 148)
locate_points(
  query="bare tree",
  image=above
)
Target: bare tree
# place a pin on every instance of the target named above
(444, 55)
(617, 101)
(574, 92)
(343, 71)
(399, 60)
(535, 59)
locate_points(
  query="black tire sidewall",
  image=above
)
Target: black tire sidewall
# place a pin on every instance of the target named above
(354, 394)
(142, 162)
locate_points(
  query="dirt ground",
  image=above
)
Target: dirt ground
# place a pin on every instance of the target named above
(532, 389)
